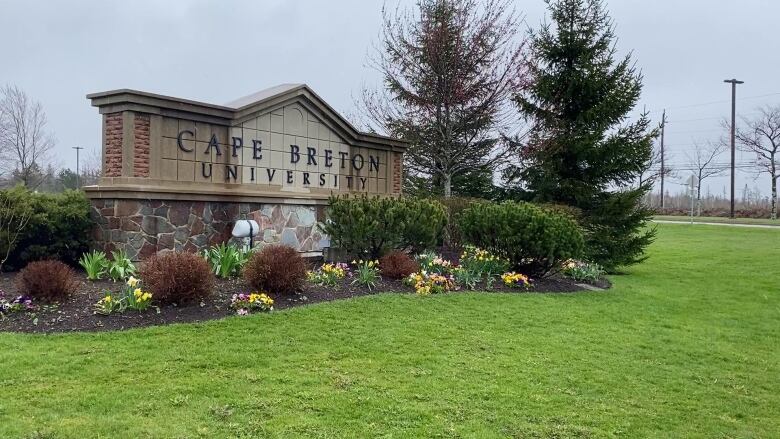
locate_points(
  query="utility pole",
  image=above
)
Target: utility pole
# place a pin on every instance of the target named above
(78, 175)
(663, 160)
(733, 83)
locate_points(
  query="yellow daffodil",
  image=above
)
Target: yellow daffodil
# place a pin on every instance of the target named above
(132, 282)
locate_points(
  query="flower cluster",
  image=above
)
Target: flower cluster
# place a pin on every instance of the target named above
(131, 296)
(425, 283)
(329, 274)
(433, 263)
(515, 280)
(19, 303)
(477, 264)
(582, 271)
(247, 303)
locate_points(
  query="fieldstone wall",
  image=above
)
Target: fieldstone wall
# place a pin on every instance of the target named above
(145, 227)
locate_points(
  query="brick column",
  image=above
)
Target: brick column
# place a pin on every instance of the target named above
(397, 176)
(141, 145)
(113, 147)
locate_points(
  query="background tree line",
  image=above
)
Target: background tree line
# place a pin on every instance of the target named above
(27, 145)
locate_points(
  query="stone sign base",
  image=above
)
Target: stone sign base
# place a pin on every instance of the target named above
(143, 227)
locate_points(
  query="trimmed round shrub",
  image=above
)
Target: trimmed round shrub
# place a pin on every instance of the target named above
(534, 239)
(369, 227)
(277, 269)
(397, 265)
(177, 277)
(47, 281)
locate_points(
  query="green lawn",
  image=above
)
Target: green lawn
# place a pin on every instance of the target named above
(719, 219)
(685, 345)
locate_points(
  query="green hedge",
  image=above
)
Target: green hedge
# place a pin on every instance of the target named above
(370, 227)
(535, 239)
(59, 227)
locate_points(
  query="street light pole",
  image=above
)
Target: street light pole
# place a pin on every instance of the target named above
(733, 83)
(78, 175)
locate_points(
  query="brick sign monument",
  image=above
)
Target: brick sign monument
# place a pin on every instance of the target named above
(177, 173)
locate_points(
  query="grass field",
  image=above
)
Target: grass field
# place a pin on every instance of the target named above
(685, 345)
(720, 219)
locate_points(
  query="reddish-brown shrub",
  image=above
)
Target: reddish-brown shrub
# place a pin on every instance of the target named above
(47, 281)
(177, 277)
(397, 265)
(276, 269)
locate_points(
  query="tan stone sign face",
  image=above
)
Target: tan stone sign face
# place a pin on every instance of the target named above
(288, 149)
(286, 144)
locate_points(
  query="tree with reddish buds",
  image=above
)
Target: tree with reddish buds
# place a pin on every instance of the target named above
(449, 68)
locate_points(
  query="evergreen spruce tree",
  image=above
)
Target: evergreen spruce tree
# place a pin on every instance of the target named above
(583, 151)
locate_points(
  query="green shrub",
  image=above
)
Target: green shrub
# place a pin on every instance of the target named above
(15, 214)
(59, 227)
(535, 240)
(369, 227)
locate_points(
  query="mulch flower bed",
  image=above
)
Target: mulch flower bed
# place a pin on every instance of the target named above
(77, 314)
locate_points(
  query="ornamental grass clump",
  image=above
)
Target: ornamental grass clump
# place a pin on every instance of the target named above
(95, 264)
(226, 260)
(329, 274)
(177, 277)
(47, 281)
(397, 265)
(245, 304)
(278, 269)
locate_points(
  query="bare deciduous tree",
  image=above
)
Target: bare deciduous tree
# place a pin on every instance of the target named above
(91, 168)
(652, 170)
(448, 71)
(25, 143)
(702, 162)
(761, 136)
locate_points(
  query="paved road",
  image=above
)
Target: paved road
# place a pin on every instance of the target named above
(756, 226)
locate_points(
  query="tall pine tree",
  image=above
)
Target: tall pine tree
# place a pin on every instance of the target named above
(582, 150)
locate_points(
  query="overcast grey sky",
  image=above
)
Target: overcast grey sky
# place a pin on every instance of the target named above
(216, 51)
